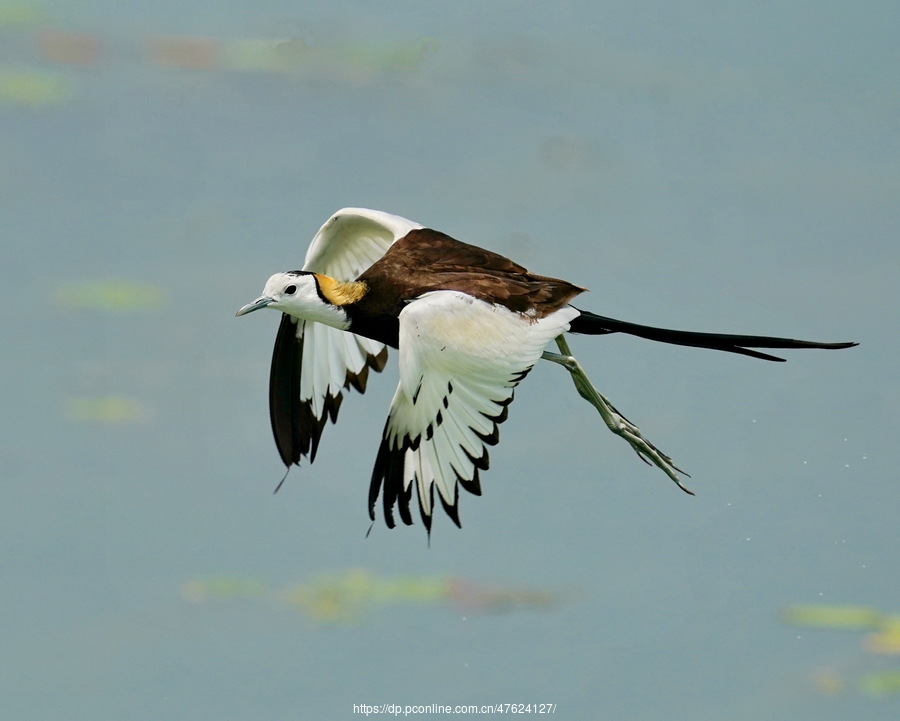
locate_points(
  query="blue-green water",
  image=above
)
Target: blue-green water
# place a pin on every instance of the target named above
(713, 167)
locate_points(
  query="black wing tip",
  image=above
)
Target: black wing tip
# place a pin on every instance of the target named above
(378, 362)
(387, 482)
(452, 508)
(473, 486)
(283, 478)
(375, 363)
(427, 518)
(404, 498)
(388, 473)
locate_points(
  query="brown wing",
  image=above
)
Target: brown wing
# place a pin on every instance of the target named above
(426, 260)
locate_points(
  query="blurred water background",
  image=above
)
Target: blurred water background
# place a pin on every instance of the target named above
(724, 166)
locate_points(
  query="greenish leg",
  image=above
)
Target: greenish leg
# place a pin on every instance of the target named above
(614, 420)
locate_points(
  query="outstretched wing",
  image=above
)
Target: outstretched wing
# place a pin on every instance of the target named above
(460, 361)
(352, 239)
(313, 364)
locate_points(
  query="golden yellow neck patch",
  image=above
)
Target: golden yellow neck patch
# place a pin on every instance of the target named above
(338, 292)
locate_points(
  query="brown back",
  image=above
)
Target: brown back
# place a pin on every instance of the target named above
(427, 260)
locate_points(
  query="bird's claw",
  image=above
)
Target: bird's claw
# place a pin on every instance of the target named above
(614, 420)
(649, 453)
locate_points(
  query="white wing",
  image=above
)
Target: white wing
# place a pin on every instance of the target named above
(353, 239)
(313, 364)
(460, 361)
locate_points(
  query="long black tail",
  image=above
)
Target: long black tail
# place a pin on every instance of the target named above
(592, 324)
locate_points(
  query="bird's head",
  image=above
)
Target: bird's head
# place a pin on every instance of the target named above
(308, 296)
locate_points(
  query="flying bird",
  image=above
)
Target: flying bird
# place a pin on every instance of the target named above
(468, 325)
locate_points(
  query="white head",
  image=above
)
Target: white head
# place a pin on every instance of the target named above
(300, 293)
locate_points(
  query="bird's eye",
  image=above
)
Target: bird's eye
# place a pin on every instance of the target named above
(290, 290)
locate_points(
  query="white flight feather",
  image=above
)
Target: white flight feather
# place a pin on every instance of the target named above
(481, 350)
(350, 241)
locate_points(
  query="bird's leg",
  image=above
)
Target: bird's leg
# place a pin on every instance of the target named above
(614, 420)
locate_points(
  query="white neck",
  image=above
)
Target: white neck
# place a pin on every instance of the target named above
(305, 302)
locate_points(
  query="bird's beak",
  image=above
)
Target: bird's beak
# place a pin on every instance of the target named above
(255, 305)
